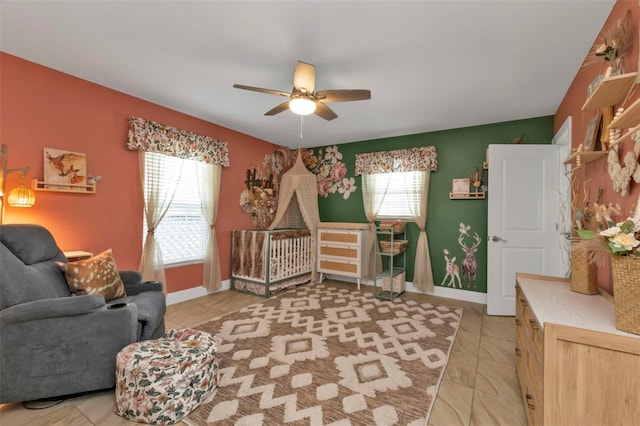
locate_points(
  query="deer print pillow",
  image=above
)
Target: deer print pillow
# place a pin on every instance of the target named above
(97, 275)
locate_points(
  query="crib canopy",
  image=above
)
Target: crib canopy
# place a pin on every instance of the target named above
(300, 182)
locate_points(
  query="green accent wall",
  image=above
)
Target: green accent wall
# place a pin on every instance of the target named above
(460, 151)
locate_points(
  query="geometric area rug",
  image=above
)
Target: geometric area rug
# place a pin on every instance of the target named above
(321, 355)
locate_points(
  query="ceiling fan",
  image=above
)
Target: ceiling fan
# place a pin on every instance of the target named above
(303, 100)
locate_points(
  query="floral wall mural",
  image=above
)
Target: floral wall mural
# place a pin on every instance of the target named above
(260, 198)
(330, 171)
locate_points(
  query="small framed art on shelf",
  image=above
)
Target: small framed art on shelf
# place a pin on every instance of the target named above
(592, 133)
(460, 186)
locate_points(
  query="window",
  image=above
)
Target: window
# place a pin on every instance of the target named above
(183, 231)
(398, 194)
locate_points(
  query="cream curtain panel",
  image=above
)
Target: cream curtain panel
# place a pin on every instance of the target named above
(421, 159)
(149, 136)
(158, 188)
(209, 188)
(372, 206)
(422, 273)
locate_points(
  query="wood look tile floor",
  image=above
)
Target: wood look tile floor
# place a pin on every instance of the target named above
(480, 386)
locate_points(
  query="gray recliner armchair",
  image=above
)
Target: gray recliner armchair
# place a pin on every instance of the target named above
(53, 343)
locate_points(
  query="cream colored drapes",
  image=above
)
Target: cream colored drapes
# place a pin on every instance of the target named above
(422, 273)
(420, 159)
(149, 136)
(372, 205)
(209, 188)
(158, 188)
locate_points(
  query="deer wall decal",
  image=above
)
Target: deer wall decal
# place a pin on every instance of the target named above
(452, 271)
(469, 265)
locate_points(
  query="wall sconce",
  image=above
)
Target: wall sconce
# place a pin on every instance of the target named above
(20, 196)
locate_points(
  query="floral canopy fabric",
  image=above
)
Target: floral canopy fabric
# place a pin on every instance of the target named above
(147, 135)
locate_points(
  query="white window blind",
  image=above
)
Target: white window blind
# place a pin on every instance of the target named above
(402, 192)
(183, 232)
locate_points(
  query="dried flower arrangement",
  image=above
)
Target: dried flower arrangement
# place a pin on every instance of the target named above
(582, 216)
(617, 42)
(475, 177)
(611, 238)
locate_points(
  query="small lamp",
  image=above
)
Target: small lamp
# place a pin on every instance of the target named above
(302, 105)
(22, 196)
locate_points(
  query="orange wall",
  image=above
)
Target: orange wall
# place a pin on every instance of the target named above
(572, 106)
(41, 107)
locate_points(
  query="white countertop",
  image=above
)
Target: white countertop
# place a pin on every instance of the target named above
(343, 225)
(553, 301)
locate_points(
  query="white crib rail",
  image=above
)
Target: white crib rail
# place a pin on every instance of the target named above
(289, 257)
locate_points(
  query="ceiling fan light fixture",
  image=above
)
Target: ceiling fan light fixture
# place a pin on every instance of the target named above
(302, 105)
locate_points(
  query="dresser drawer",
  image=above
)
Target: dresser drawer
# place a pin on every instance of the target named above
(339, 267)
(338, 236)
(344, 252)
(521, 359)
(528, 360)
(534, 396)
(533, 330)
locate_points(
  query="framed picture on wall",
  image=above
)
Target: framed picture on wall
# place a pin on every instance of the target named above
(63, 168)
(592, 133)
(460, 186)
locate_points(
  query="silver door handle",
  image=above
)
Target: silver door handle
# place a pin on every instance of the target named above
(496, 239)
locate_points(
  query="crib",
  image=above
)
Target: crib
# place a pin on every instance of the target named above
(267, 261)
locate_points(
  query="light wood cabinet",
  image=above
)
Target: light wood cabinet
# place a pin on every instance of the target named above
(341, 249)
(574, 366)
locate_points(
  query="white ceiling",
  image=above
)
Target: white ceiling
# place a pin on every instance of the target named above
(430, 65)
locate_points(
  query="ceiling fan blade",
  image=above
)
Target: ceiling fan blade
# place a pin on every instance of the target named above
(343, 95)
(262, 90)
(304, 78)
(324, 111)
(277, 110)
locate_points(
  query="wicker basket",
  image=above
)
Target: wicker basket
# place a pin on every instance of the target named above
(396, 226)
(584, 275)
(398, 283)
(626, 292)
(399, 246)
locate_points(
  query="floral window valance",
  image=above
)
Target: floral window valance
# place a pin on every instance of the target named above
(147, 135)
(400, 160)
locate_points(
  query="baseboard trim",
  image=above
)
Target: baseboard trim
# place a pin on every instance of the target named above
(449, 293)
(194, 293)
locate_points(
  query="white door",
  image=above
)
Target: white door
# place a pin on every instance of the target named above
(522, 219)
(563, 140)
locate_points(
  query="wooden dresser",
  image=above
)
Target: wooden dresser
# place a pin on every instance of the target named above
(341, 249)
(574, 367)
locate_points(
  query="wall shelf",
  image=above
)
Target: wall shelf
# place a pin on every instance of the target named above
(625, 136)
(480, 195)
(37, 185)
(630, 117)
(578, 158)
(611, 91)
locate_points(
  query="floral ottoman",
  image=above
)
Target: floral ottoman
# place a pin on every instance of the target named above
(161, 381)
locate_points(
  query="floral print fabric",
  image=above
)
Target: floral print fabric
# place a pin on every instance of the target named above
(147, 135)
(161, 381)
(401, 160)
